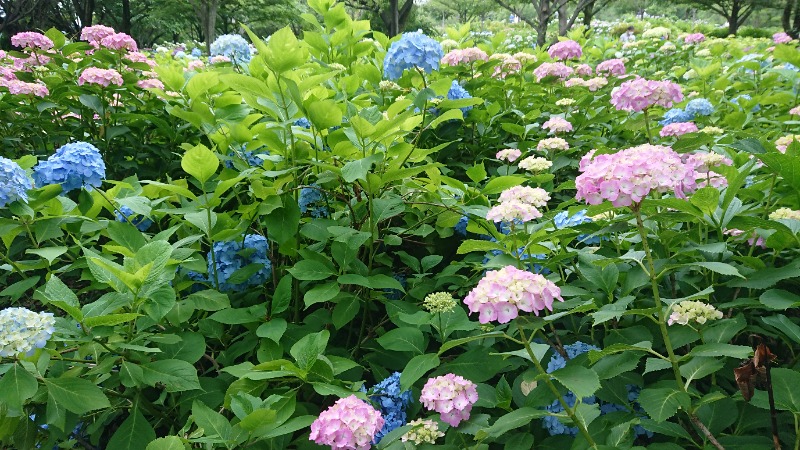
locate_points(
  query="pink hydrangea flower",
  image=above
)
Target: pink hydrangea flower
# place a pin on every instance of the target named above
(150, 83)
(795, 111)
(583, 70)
(628, 176)
(513, 211)
(694, 38)
(7, 73)
(96, 33)
(639, 94)
(552, 144)
(596, 83)
(27, 64)
(195, 65)
(702, 163)
(350, 424)
(464, 56)
(138, 57)
(31, 39)
(678, 129)
(508, 154)
(3, 54)
(612, 67)
(218, 59)
(781, 38)
(103, 77)
(565, 50)
(18, 87)
(535, 196)
(119, 41)
(450, 395)
(753, 240)
(508, 65)
(556, 69)
(783, 143)
(501, 294)
(557, 125)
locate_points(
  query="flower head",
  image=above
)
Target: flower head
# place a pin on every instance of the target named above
(565, 50)
(311, 200)
(692, 311)
(14, 183)
(784, 214)
(535, 164)
(753, 240)
(565, 102)
(699, 107)
(412, 50)
(392, 404)
(150, 83)
(615, 67)
(564, 220)
(19, 87)
(557, 125)
(450, 395)
(639, 94)
(552, 144)
(350, 424)
(231, 256)
(783, 142)
(95, 34)
(250, 158)
(102, 77)
(501, 294)
(694, 38)
(508, 154)
(676, 115)
(556, 69)
(231, 46)
(219, 59)
(464, 56)
(781, 38)
(119, 41)
(74, 165)
(678, 129)
(31, 39)
(423, 431)
(439, 302)
(23, 331)
(457, 92)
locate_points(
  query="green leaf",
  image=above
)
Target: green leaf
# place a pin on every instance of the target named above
(16, 386)
(213, 423)
(474, 245)
(174, 374)
(515, 419)
(779, 299)
(706, 199)
(208, 300)
(200, 162)
(403, 339)
(126, 235)
(784, 385)
(311, 270)
(345, 311)
(48, 253)
(61, 296)
(133, 434)
(477, 173)
(282, 296)
(718, 267)
(310, 347)
(75, 394)
(324, 114)
(583, 382)
(417, 368)
(662, 403)
(284, 52)
(358, 169)
(16, 290)
(109, 320)
(699, 367)
(722, 349)
(272, 330)
(785, 325)
(282, 223)
(166, 443)
(498, 184)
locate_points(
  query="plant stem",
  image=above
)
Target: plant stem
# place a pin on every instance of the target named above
(570, 411)
(647, 127)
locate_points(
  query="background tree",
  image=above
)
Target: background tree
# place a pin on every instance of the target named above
(736, 12)
(462, 11)
(544, 10)
(392, 14)
(790, 19)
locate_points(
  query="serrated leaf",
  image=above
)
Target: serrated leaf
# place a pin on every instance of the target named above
(417, 368)
(662, 403)
(133, 434)
(76, 394)
(583, 382)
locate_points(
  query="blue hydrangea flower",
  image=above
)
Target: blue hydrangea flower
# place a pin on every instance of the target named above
(303, 123)
(461, 226)
(180, 55)
(553, 425)
(699, 106)
(234, 255)
(196, 52)
(312, 201)
(523, 256)
(412, 50)
(125, 214)
(23, 331)
(633, 396)
(564, 220)
(735, 101)
(14, 183)
(676, 115)
(233, 46)
(392, 403)
(74, 165)
(396, 294)
(790, 66)
(457, 92)
(573, 350)
(251, 158)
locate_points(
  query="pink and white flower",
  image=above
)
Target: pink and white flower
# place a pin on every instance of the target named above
(501, 294)
(350, 424)
(450, 395)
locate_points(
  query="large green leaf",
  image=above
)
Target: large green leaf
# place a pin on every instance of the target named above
(200, 162)
(785, 325)
(309, 348)
(16, 386)
(174, 374)
(515, 419)
(662, 403)
(76, 394)
(417, 368)
(213, 423)
(133, 434)
(583, 382)
(166, 443)
(404, 339)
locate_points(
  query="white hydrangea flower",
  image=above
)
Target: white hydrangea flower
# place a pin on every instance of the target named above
(23, 331)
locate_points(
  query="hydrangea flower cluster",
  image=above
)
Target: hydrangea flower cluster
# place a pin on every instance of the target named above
(461, 226)
(783, 142)
(626, 177)
(535, 164)
(508, 65)
(699, 107)
(748, 98)
(23, 331)
(785, 214)
(231, 256)
(311, 200)
(795, 111)
(412, 50)
(583, 70)
(74, 165)
(551, 423)
(439, 302)
(557, 125)
(633, 397)
(32, 40)
(501, 294)
(457, 92)
(350, 424)
(125, 214)
(386, 85)
(464, 56)
(781, 38)
(694, 38)
(303, 123)
(676, 115)
(678, 129)
(564, 220)
(18, 87)
(593, 84)
(218, 59)
(102, 77)
(251, 158)
(518, 204)
(231, 46)
(119, 41)
(612, 67)
(14, 183)
(692, 311)
(150, 83)
(95, 34)
(556, 69)
(508, 154)
(712, 130)
(657, 32)
(565, 50)
(423, 431)
(565, 102)
(450, 395)
(524, 57)
(552, 144)
(639, 94)
(392, 404)
(703, 162)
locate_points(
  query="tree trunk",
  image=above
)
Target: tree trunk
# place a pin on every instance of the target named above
(733, 20)
(543, 15)
(796, 22)
(563, 19)
(126, 16)
(588, 14)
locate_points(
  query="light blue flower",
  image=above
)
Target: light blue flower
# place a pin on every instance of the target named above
(303, 122)
(180, 55)
(553, 425)
(311, 200)
(14, 183)
(234, 255)
(196, 52)
(391, 402)
(676, 115)
(457, 92)
(23, 331)
(74, 165)
(233, 46)
(564, 220)
(412, 50)
(573, 350)
(125, 214)
(699, 106)
(747, 97)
